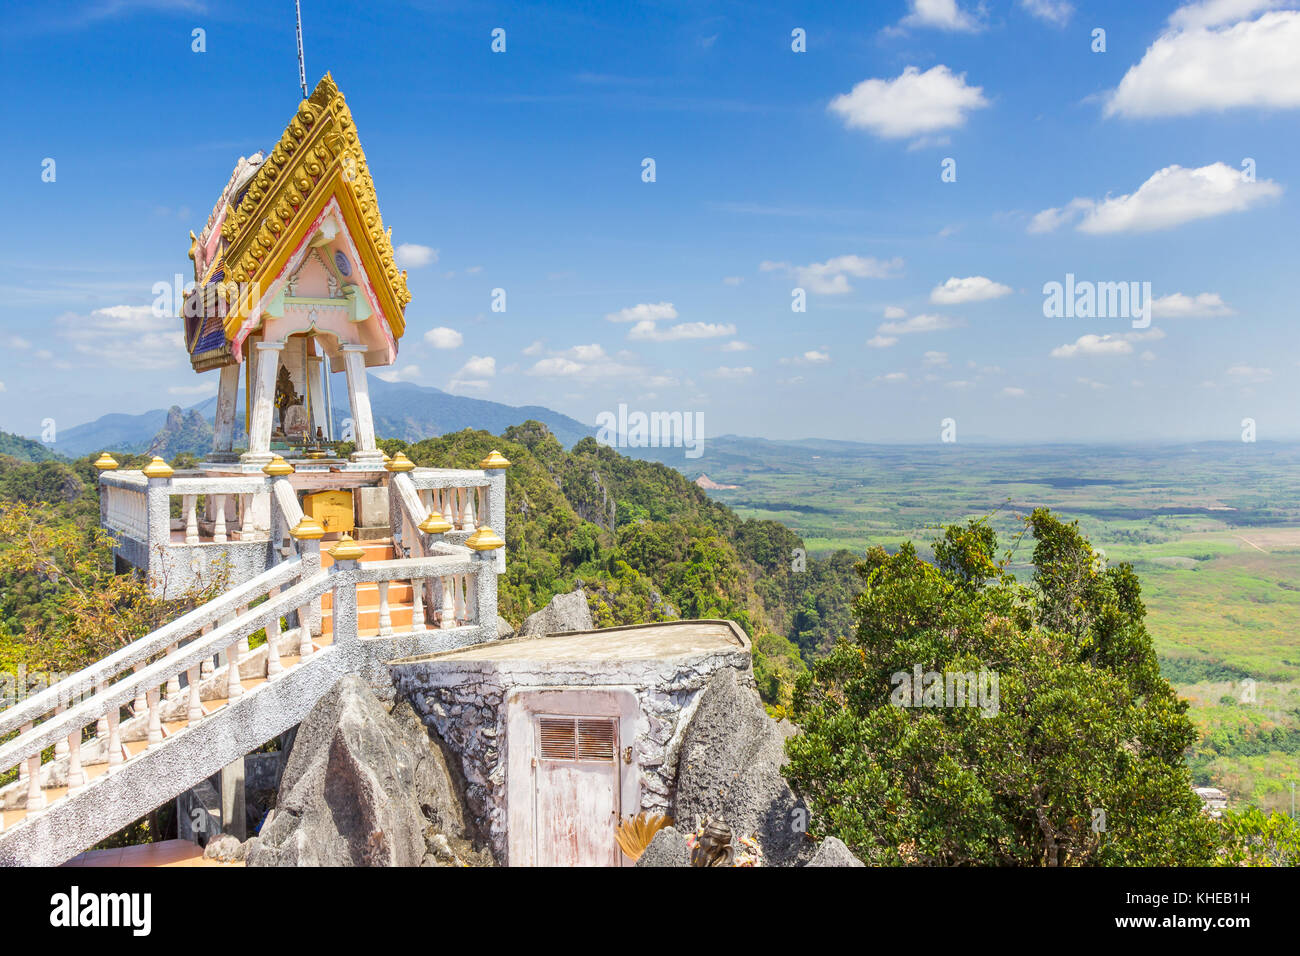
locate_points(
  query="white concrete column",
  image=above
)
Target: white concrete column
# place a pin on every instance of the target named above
(363, 423)
(263, 412)
(223, 437)
(316, 398)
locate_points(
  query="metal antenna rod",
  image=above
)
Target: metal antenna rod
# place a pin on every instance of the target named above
(302, 68)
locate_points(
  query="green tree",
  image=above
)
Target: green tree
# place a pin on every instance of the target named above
(1082, 728)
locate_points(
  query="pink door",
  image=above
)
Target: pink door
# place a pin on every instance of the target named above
(577, 791)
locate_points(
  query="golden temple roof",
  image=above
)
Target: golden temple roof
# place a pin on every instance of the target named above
(270, 204)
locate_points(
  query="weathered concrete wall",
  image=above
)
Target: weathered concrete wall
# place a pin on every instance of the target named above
(467, 702)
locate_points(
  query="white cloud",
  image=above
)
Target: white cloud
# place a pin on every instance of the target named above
(920, 323)
(732, 280)
(912, 104)
(534, 349)
(881, 341)
(971, 289)
(408, 373)
(1171, 197)
(1214, 13)
(1055, 12)
(811, 357)
(1093, 345)
(733, 373)
(1180, 306)
(647, 331)
(941, 15)
(960, 383)
(894, 312)
(444, 338)
(474, 374)
(932, 359)
(555, 366)
(645, 312)
(735, 345)
(411, 256)
(1195, 67)
(1013, 392)
(125, 337)
(17, 342)
(1092, 384)
(831, 277)
(892, 378)
(587, 353)
(1250, 373)
(203, 388)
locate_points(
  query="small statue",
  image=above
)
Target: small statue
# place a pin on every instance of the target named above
(285, 395)
(713, 847)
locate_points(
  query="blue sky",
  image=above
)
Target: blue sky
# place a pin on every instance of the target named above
(774, 170)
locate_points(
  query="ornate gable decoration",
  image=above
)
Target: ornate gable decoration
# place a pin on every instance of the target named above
(318, 157)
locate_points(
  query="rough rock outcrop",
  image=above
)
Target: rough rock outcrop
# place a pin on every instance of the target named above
(668, 848)
(363, 787)
(833, 852)
(565, 612)
(730, 769)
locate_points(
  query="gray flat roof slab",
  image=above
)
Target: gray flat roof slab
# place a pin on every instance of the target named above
(666, 641)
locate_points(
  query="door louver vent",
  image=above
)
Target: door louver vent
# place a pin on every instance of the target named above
(595, 740)
(572, 738)
(557, 737)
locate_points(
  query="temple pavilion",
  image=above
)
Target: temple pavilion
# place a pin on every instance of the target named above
(295, 278)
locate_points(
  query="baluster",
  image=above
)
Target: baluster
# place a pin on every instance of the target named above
(101, 725)
(115, 758)
(304, 635)
(481, 494)
(36, 800)
(234, 687)
(467, 519)
(76, 775)
(195, 712)
(243, 641)
(385, 615)
(219, 520)
(22, 764)
(471, 599)
(60, 748)
(155, 717)
(189, 505)
(173, 682)
(205, 666)
(140, 703)
(273, 665)
(448, 619)
(448, 514)
(417, 604)
(458, 582)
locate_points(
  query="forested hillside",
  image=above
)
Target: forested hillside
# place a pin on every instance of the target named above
(643, 542)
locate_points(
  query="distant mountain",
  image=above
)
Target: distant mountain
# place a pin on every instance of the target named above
(401, 410)
(25, 449)
(183, 432)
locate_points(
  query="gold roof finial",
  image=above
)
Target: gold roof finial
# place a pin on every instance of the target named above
(347, 550)
(308, 529)
(435, 524)
(105, 462)
(157, 469)
(399, 463)
(484, 539)
(277, 467)
(494, 460)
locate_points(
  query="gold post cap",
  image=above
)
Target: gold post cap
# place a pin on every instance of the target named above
(435, 524)
(277, 467)
(494, 460)
(485, 539)
(157, 469)
(347, 550)
(105, 462)
(308, 529)
(399, 463)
